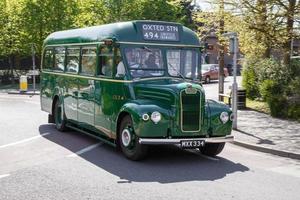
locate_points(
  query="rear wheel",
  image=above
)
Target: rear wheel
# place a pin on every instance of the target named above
(59, 116)
(129, 141)
(212, 149)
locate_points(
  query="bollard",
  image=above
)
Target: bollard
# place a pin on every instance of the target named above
(23, 84)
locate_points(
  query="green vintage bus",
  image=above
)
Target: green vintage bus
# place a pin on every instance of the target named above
(133, 85)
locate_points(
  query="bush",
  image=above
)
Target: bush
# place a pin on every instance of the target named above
(272, 92)
(273, 70)
(295, 68)
(277, 84)
(294, 111)
(250, 79)
(269, 88)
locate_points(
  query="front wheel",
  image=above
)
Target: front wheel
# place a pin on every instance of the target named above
(212, 149)
(129, 141)
(59, 116)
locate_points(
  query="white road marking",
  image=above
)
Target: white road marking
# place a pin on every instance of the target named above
(288, 170)
(33, 102)
(84, 150)
(4, 175)
(23, 141)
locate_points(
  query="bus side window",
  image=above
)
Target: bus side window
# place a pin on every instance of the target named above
(73, 55)
(48, 59)
(120, 64)
(59, 61)
(88, 60)
(106, 61)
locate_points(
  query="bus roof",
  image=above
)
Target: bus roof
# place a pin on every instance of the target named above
(132, 31)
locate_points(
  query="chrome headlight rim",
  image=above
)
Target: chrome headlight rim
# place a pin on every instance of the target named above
(224, 117)
(155, 117)
(145, 117)
(231, 117)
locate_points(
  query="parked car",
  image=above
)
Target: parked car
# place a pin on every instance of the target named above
(211, 72)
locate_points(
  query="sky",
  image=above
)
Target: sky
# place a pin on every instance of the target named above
(205, 5)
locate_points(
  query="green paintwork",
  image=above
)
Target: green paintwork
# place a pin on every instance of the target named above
(122, 31)
(97, 103)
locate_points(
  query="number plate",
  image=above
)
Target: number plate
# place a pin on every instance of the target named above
(192, 143)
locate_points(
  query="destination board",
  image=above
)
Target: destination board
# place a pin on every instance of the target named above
(161, 32)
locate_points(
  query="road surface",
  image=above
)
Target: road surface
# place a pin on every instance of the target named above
(38, 162)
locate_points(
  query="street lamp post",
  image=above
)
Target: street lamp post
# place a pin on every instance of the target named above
(234, 49)
(33, 66)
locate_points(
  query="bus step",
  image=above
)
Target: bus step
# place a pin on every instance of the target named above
(92, 135)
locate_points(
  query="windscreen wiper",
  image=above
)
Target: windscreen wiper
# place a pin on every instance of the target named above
(178, 73)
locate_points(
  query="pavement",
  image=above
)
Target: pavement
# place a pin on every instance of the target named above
(16, 91)
(264, 133)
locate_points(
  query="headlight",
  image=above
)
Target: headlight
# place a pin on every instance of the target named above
(231, 117)
(145, 117)
(155, 117)
(224, 117)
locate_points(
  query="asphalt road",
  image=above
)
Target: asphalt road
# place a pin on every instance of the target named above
(212, 88)
(38, 162)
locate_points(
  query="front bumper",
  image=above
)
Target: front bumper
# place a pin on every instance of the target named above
(228, 138)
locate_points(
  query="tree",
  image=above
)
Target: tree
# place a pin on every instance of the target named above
(11, 32)
(44, 17)
(91, 13)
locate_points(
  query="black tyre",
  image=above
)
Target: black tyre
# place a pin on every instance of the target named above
(207, 79)
(129, 141)
(212, 149)
(59, 116)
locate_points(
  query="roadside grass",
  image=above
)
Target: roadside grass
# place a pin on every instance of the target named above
(258, 106)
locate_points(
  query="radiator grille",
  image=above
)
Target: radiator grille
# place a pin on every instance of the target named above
(190, 111)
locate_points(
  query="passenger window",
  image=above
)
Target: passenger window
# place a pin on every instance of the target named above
(59, 63)
(48, 59)
(120, 64)
(88, 61)
(73, 55)
(106, 61)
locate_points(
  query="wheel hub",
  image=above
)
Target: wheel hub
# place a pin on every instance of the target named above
(126, 137)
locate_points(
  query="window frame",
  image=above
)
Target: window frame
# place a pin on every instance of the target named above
(81, 58)
(52, 62)
(187, 49)
(112, 55)
(66, 60)
(55, 69)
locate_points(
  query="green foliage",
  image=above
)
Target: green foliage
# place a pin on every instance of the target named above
(295, 67)
(272, 92)
(24, 22)
(250, 79)
(294, 86)
(294, 111)
(270, 68)
(278, 106)
(159, 10)
(276, 83)
(268, 88)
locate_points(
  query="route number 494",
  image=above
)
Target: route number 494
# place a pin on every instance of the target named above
(151, 35)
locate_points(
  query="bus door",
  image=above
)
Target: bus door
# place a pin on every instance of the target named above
(103, 98)
(86, 87)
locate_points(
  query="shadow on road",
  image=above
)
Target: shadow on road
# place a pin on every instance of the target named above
(164, 164)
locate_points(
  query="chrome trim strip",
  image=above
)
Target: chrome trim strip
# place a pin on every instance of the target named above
(86, 77)
(228, 138)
